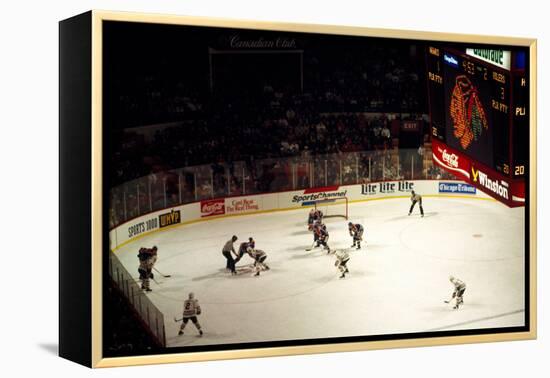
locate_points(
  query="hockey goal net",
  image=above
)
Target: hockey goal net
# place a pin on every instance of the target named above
(333, 207)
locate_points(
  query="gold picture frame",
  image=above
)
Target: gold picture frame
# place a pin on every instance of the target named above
(83, 236)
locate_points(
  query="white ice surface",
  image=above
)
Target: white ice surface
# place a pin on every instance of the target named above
(397, 282)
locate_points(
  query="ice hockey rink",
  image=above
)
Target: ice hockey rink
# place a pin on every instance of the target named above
(397, 283)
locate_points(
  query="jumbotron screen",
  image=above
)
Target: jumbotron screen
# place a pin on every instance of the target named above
(474, 111)
(479, 114)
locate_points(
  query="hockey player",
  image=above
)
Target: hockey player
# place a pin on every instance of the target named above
(251, 242)
(414, 199)
(191, 309)
(259, 257)
(318, 215)
(356, 231)
(147, 258)
(241, 252)
(322, 236)
(310, 218)
(243, 248)
(143, 256)
(458, 293)
(342, 258)
(228, 248)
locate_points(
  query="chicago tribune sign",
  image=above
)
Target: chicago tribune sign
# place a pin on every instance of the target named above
(456, 187)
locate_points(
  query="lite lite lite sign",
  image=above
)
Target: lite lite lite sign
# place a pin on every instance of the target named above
(499, 58)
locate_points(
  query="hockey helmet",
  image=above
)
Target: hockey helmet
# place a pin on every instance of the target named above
(191, 295)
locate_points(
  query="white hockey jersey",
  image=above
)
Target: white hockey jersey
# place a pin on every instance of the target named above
(256, 254)
(342, 255)
(458, 284)
(191, 307)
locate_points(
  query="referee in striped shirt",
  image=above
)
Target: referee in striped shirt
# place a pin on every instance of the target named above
(228, 248)
(414, 199)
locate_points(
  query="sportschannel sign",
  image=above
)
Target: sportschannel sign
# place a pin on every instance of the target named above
(316, 194)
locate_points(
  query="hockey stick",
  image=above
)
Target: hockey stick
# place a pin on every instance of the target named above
(177, 320)
(450, 300)
(164, 275)
(310, 248)
(155, 281)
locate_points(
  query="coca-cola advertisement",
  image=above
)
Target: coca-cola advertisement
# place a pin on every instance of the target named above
(212, 207)
(487, 180)
(451, 160)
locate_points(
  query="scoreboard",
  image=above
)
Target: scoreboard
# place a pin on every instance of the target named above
(478, 102)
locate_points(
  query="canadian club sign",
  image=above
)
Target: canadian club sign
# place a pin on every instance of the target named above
(508, 191)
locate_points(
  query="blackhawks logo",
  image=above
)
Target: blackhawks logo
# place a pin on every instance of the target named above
(469, 119)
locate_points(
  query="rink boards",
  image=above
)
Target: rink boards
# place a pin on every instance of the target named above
(397, 283)
(210, 209)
